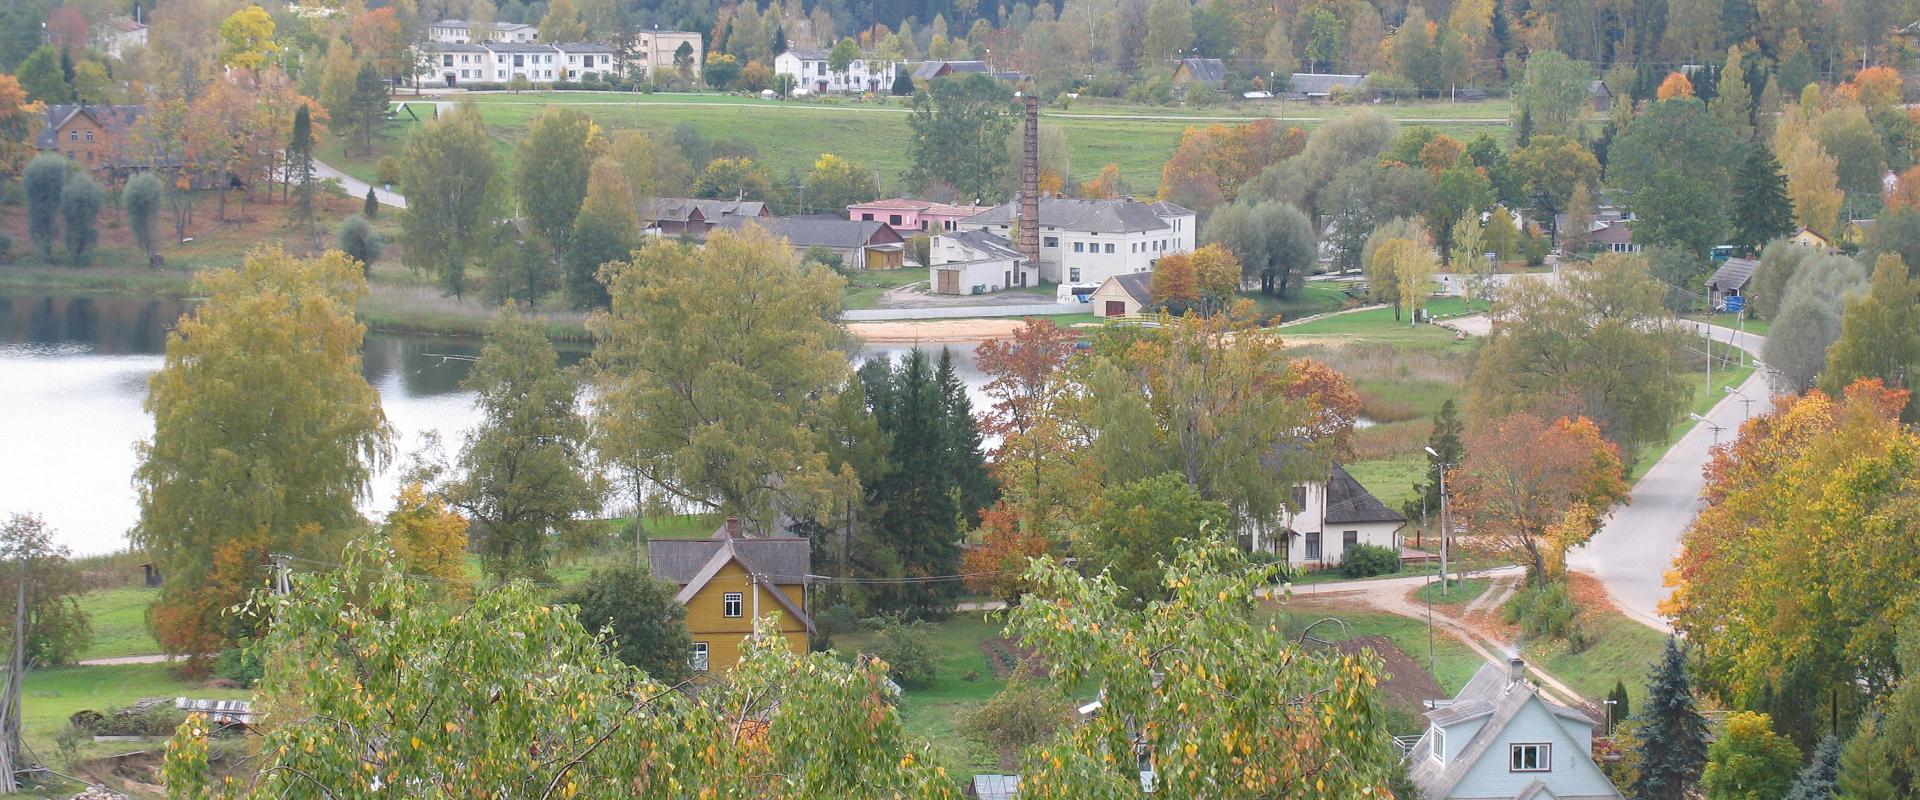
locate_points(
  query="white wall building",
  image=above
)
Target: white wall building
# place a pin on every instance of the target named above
(460, 31)
(977, 262)
(654, 51)
(1335, 515)
(809, 68)
(1499, 739)
(1089, 241)
(454, 64)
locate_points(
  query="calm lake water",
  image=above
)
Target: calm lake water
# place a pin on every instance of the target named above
(73, 374)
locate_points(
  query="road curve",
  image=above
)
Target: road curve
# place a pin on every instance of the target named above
(1632, 553)
(358, 188)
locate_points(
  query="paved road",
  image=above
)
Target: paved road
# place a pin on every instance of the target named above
(1632, 553)
(357, 187)
(156, 658)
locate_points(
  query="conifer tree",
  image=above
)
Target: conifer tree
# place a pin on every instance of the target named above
(1760, 192)
(1445, 440)
(1673, 735)
(969, 464)
(300, 167)
(371, 208)
(915, 504)
(1865, 773)
(1622, 704)
(1816, 779)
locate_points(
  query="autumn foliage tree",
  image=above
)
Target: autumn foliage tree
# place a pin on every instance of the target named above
(1027, 390)
(19, 121)
(1211, 162)
(1332, 401)
(1532, 489)
(427, 536)
(1675, 85)
(1174, 281)
(1005, 545)
(1797, 574)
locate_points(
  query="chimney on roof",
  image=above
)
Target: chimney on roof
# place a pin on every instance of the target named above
(1516, 669)
(732, 528)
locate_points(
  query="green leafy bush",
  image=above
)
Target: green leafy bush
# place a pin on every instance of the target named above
(1368, 560)
(1548, 611)
(238, 665)
(907, 648)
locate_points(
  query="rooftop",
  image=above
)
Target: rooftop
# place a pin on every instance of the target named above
(1091, 216)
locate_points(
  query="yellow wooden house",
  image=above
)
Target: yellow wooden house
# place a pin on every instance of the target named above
(1808, 237)
(730, 580)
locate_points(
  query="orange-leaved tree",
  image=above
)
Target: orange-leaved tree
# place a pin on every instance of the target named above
(1174, 280)
(1007, 544)
(1334, 404)
(1676, 85)
(1026, 390)
(1530, 489)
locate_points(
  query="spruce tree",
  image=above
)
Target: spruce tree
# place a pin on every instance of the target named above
(1816, 779)
(916, 502)
(300, 167)
(370, 208)
(1673, 735)
(1622, 705)
(1445, 441)
(977, 488)
(1865, 772)
(368, 103)
(1760, 192)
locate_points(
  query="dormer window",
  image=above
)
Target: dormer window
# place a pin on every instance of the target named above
(1437, 743)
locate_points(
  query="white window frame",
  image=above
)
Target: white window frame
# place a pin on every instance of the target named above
(1541, 752)
(1437, 744)
(732, 605)
(698, 660)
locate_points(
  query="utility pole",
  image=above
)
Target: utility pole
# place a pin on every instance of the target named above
(280, 572)
(10, 703)
(1446, 530)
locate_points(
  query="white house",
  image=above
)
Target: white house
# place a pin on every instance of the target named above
(808, 66)
(460, 31)
(120, 34)
(977, 262)
(1089, 241)
(454, 64)
(657, 51)
(1333, 516)
(1500, 739)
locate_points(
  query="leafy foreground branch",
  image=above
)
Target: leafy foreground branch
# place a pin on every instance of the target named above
(375, 689)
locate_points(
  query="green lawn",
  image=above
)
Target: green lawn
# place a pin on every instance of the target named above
(1391, 479)
(1378, 326)
(1622, 651)
(1318, 297)
(933, 714)
(1452, 663)
(119, 622)
(52, 695)
(1459, 592)
(1756, 326)
(865, 287)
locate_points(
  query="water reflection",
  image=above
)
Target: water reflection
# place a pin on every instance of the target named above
(73, 376)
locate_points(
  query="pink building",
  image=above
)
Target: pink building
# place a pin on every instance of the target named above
(907, 217)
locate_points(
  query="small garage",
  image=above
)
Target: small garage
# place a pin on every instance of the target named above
(1123, 295)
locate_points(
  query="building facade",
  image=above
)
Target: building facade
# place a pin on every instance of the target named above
(95, 136)
(813, 75)
(977, 262)
(1500, 739)
(460, 31)
(1088, 241)
(729, 582)
(657, 52)
(1325, 519)
(906, 215)
(454, 64)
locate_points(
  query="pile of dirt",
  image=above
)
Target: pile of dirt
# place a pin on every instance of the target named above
(1407, 684)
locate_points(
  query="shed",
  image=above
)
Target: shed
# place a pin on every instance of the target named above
(1123, 295)
(994, 787)
(1319, 86)
(1730, 280)
(1602, 96)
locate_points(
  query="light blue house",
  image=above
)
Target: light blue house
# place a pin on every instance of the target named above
(1499, 740)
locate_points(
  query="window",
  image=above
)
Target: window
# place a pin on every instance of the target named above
(820, 68)
(893, 219)
(1079, 247)
(1073, 275)
(730, 604)
(698, 660)
(1437, 743)
(1313, 546)
(73, 135)
(1109, 247)
(1300, 498)
(866, 217)
(1531, 758)
(1052, 241)
(1348, 539)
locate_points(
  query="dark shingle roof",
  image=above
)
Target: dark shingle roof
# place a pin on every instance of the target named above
(1211, 71)
(583, 47)
(781, 559)
(1090, 216)
(1733, 275)
(518, 47)
(115, 119)
(989, 243)
(680, 209)
(1137, 285)
(833, 232)
(1308, 83)
(1348, 501)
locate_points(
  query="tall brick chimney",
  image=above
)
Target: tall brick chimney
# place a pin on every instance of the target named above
(1030, 182)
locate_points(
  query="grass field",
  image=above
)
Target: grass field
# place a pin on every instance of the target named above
(934, 713)
(119, 619)
(864, 287)
(1452, 663)
(52, 695)
(1459, 593)
(1623, 651)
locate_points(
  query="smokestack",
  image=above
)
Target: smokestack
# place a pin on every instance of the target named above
(1030, 182)
(1516, 669)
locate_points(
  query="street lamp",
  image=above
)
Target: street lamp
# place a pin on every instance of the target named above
(1745, 401)
(1446, 531)
(1610, 704)
(1716, 429)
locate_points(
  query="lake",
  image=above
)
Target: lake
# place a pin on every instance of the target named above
(73, 375)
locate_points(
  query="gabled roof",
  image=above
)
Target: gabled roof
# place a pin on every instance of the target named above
(455, 47)
(808, 53)
(1733, 274)
(1615, 233)
(772, 562)
(1310, 83)
(1087, 216)
(1137, 285)
(113, 119)
(1205, 70)
(1348, 501)
(1599, 89)
(832, 232)
(680, 209)
(928, 70)
(994, 245)
(1491, 693)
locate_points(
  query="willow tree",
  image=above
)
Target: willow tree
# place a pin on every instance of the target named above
(715, 365)
(265, 435)
(453, 195)
(375, 686)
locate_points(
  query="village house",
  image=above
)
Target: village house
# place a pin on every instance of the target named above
(460, 31)
(859, 244)
(1210, 74)
(1613, 237)
(928, 70)
(1730, 281)
(1333, 516)
(1601, 96)
(905, 215)
(120, 34)
(813, 75)
(91, 135)
(730, 581)
(1808, 237)
(1089, 241)
(977, 262)
(1123, 296)
(1320, 86)
(681, 216)
(452, 64)
(1500, 739)
(658, 51)
(1855, 231)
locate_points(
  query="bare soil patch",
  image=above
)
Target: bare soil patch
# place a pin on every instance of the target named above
(1006, 656)
(1407, 684)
